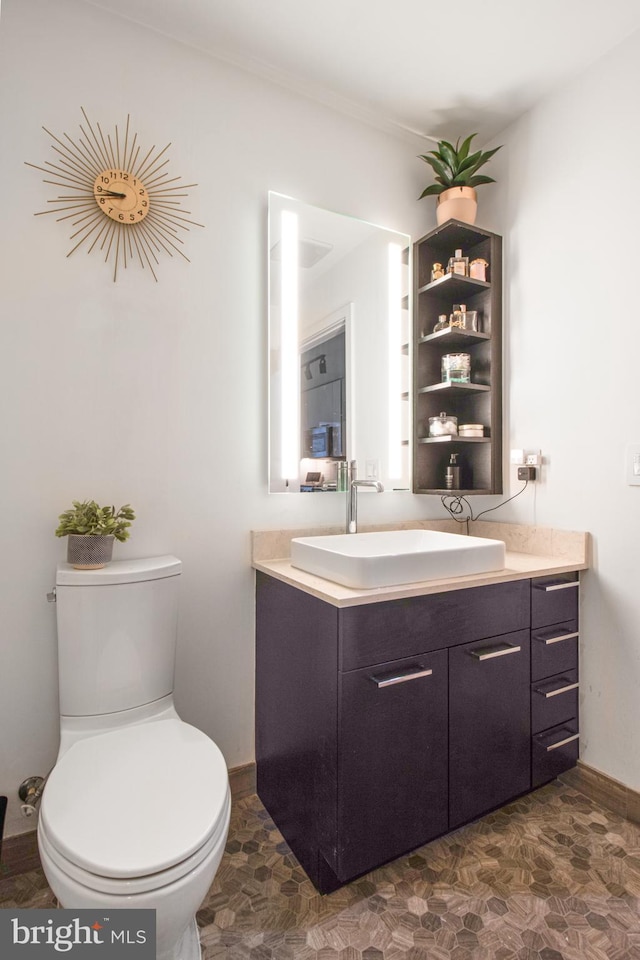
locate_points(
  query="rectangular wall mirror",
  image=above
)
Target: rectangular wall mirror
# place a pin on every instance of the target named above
(339, 349)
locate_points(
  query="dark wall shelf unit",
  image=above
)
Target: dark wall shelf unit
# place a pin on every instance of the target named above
(480, 401)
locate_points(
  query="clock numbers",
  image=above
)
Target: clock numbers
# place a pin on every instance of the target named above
(127, 196)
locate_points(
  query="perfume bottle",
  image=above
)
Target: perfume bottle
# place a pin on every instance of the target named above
(478, 269)
(437, 271)
(459, 264)
(457, 317)
(442, 323)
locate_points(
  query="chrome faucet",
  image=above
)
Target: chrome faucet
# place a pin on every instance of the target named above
(352, 496)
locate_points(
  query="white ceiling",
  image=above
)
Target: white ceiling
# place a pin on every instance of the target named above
(443, 71)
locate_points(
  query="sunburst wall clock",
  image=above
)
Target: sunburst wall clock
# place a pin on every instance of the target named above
(127, 208)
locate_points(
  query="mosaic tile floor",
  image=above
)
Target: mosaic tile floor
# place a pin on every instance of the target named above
(550, 877)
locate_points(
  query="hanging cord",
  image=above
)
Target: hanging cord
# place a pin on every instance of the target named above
(456, 506)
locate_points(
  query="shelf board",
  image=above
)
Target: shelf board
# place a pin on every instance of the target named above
(454, 493)
(455, 336)
(457, 439)
(405, 395)
(404, 349)
(455, 389)
(455, 286)
(404, 303)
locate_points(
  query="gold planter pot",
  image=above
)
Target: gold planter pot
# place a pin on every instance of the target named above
(457, 203)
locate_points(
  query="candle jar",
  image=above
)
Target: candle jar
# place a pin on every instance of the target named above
(456, 368)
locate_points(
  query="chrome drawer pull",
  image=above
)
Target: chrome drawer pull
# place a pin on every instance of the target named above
(558, 586)
(563, 636)
(489, 653)
(561, 743)
(401, 677)
(554, 693)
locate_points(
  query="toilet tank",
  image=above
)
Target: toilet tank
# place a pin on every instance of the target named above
(116, 634)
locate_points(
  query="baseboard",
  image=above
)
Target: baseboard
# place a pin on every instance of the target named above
(242, 781)
(20, 852)
(605, 790)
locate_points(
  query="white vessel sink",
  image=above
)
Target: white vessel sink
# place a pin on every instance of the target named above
(390, 557)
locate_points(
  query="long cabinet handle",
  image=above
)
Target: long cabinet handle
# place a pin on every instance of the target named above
(562, 636)
(562, 743)
(554, 693)
(489, 653)
(412, 674)
(558, 586)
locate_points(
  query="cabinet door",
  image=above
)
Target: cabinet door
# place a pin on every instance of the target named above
(392, 756)
(489, 725)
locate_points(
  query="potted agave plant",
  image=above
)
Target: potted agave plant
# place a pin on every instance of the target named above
(456, 174)
(91, 531)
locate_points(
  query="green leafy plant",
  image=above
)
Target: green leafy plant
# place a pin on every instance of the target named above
(455, 167)
(87, 519)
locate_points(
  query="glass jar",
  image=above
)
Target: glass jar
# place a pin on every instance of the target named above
(456, 368)
(443, 426)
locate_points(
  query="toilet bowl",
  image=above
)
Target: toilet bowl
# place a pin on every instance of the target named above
(135, 813)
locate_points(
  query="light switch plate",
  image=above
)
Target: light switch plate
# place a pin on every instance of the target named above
(632, 465)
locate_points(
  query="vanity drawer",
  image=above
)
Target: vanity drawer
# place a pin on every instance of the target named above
(390, 630)
(554, 701)
(553, 752)
(554, 649)
(554, 599)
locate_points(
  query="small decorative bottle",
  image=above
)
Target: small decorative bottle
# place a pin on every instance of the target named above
(459, 264)
(478, 269)
(437, 271)
(452, 474)
(457, 317)
(442, 323)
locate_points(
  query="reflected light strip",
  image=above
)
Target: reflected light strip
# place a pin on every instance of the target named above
(395, 360)
(290, 381)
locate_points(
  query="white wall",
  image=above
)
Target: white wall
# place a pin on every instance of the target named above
(155, 393)
(569, 209)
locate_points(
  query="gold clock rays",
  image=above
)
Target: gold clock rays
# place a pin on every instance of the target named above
(118, 203)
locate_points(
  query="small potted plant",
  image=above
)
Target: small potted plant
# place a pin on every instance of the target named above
(91, 531)
(456, 179)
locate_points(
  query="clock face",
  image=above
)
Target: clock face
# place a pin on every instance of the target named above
(121, 195)
(119, 200)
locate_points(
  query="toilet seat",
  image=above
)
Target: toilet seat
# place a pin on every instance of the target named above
(137, 807)
(134, 885)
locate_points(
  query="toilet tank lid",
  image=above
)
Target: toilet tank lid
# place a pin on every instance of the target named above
(119, 571)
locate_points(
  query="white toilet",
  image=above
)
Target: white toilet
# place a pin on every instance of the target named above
(135, 812)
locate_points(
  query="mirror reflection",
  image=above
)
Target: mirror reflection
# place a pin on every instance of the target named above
(338, 349)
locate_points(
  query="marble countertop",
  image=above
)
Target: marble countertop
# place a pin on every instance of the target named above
(530, 552)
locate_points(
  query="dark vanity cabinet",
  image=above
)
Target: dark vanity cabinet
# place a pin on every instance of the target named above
(478, 401)
(382, 726)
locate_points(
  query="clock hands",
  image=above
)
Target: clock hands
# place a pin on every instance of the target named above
(111, 193)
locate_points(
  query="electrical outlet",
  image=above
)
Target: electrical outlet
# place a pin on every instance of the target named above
(534, 459)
